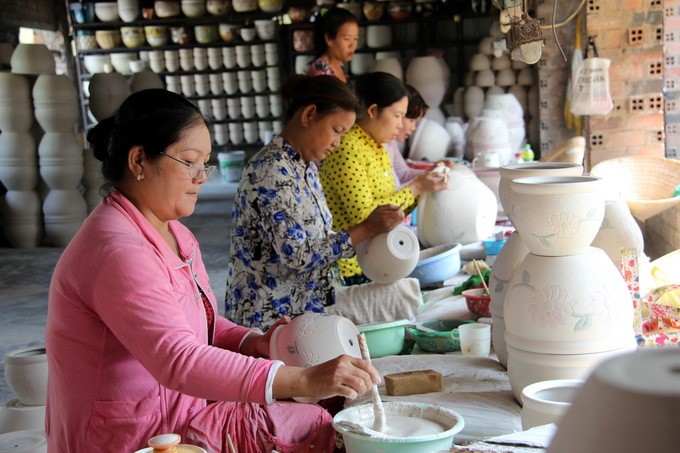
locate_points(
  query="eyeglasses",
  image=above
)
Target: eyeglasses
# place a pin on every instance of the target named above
(195, 170)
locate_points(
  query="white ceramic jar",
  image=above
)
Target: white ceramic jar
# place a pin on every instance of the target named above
(388, 257)
(26, 374)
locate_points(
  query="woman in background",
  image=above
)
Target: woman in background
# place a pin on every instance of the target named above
(358, 176)
(336, 35)
(283, 247)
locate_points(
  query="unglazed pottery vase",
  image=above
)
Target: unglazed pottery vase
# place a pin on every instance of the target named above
(635, 398)
(618, 230)
(388, 257)
(65, 211)
(557, 215)
(26, 374)
(576, 304)
(430, 76)
(107, 92)
(526, 368)
(18, 170)
(21, 218)
(511, 255)
(430, 141)
(489, 134)
(464, 212)
(513, 171)
(61, 160)
(513, 113)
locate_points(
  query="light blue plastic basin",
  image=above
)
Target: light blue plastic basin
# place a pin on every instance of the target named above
(436, 264)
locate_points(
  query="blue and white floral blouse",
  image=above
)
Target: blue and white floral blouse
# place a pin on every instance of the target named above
(282, 248)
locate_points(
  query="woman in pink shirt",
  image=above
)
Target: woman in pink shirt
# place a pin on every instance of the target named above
(135, 346)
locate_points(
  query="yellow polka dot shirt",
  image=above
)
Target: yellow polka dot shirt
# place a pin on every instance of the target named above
(357, 177)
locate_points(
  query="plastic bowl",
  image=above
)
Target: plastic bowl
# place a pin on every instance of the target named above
(440, 341)
(492, 246)
(384, 338)
(436, 264)
(477, 301)
(359, 442)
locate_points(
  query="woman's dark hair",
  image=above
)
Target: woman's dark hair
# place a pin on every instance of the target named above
(328, 93)
(416, 104)
(380, 88)
(328, 25)
(153, 119)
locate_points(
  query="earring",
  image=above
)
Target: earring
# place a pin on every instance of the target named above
(140, 177)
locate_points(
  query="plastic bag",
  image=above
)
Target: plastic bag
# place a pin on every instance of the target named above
(590, 90)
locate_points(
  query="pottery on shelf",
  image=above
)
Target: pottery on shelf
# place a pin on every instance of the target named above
(388, 257)
(390, 66)
(26, 374)
(557, 215)
(107, 92)
(464, 212)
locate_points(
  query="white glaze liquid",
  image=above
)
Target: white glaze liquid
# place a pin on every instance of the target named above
(403, 426)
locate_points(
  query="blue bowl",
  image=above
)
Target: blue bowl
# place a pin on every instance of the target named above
(436, 264)
(493, 247)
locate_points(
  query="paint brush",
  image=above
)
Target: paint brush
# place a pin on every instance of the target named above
(379, 422)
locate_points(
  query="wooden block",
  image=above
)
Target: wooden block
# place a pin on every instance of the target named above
(413, 382)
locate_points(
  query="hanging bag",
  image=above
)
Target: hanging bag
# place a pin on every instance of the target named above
(590, 89)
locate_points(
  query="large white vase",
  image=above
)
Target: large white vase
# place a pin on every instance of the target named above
(21, 218)
(511, 255)
(557, 215)
(107, 92)
(618, 230)
(65, 211)
(575, 304)
(489, 134)
(430, 76)
(61, 160)
(18, 163)
(464, 212)
(513, 113)
(513, 171)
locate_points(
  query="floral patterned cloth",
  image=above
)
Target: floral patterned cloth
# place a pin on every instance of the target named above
(282, 248)
(320, 66)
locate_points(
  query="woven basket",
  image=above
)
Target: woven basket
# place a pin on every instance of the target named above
(572, 150)
(646, 183)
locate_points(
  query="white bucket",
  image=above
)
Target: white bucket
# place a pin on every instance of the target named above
(231, 165)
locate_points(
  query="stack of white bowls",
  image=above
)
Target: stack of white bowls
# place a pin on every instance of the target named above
(26, 376)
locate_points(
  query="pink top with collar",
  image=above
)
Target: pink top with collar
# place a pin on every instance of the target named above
(127, 337)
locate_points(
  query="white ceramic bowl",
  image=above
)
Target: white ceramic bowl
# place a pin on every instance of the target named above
(193, 8)
(167, 8)
(546, 401)
(389, 257)
(266, 29)
(106, 11)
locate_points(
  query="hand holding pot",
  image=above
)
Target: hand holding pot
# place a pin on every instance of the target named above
(257, 345)
(382, 219)
(432, 181)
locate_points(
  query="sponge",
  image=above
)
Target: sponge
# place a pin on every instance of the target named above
(413, 382)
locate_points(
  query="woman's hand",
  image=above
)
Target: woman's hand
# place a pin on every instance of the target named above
(345, 376)
(382, 220)
(257, 345)
(431, 181)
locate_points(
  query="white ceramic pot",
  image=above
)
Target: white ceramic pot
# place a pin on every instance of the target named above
(145, 80)
(390, 66)
(546, 401)
(388, 257)
(635, 398)
(464, 212)
(18, 169)
(21, 218)
(378, 36)
(16, 116)
(513, 171)
(489, 134)
(618, 230)
(15, 416)
(107, 92)
(513, 114)
(526, 368)
(314, 338)
(521, 94)
(244, 6)
(65, 211)
(511, 255)
(430, 76)
(61, 160)
(26, 374)
(32, 59)
(430, 141)
(576, 304)
(473, 102)
(557, 215)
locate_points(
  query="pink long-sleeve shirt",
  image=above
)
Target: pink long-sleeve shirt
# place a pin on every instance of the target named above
(127, 339)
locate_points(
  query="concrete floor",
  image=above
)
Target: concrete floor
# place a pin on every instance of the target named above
(25, 274)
